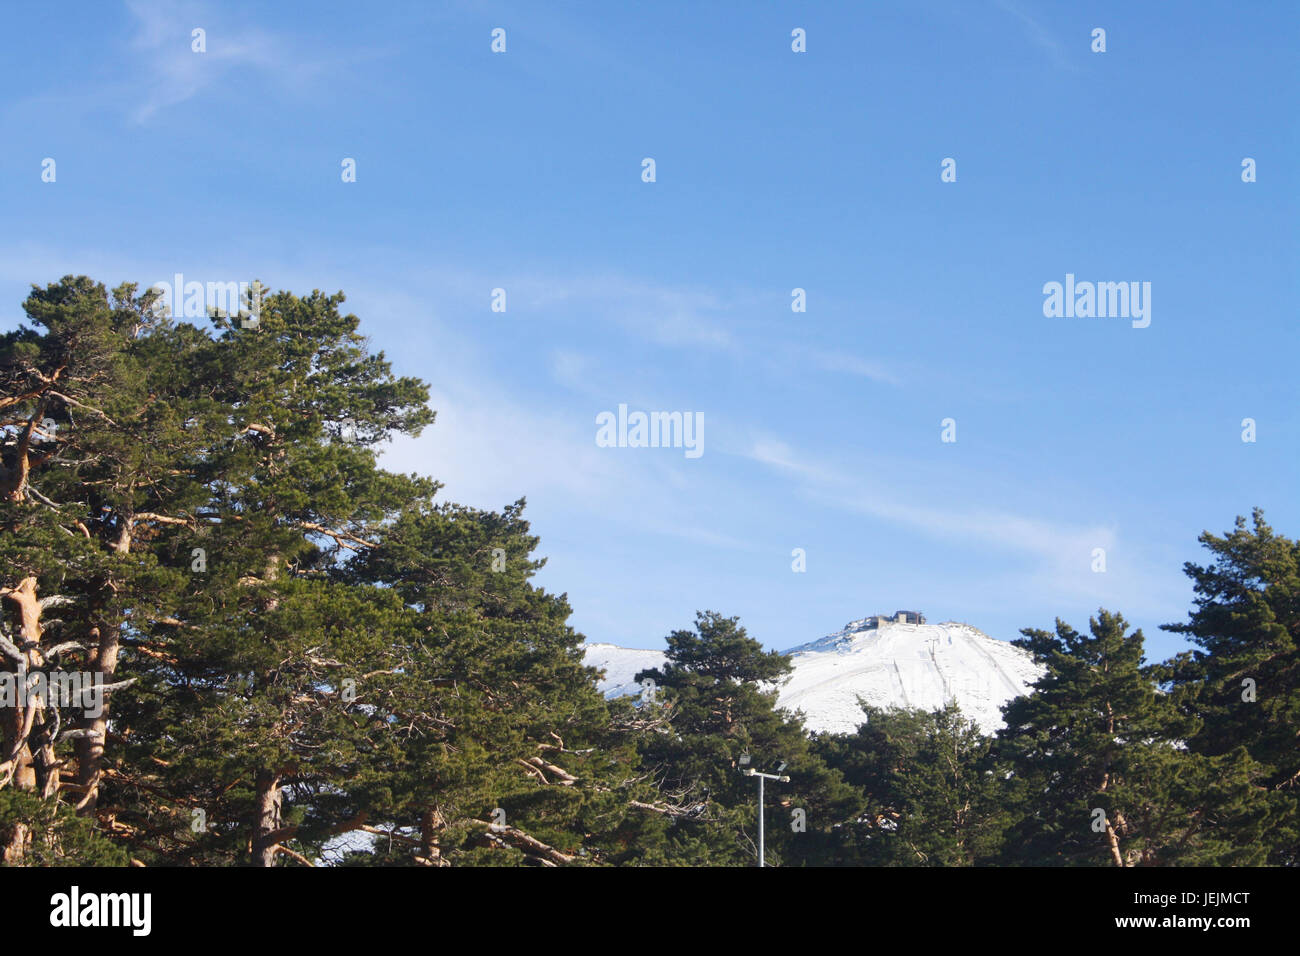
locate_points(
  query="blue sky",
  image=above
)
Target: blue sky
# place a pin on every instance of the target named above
(774, 170)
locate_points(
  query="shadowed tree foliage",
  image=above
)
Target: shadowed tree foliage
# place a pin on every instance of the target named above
(716, 701)
(1243, 685)
(505, 742)
(932, 797)
(1098, 772)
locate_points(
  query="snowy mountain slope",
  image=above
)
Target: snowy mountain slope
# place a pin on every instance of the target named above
(888, 664)
(620, 665)
(905, 665)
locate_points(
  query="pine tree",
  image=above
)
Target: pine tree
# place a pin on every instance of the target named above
(304, 645)
(1243, 685)
(508, 753)
(82, 461)
(243, 726)
(932, 796)
(717, 695)
(1098, 770)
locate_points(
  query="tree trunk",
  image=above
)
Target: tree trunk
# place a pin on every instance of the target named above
(17, 765)
(431, 823)
(102, 665)
(13, 480)
(90, 750)
(1113, 838)
(270, 801)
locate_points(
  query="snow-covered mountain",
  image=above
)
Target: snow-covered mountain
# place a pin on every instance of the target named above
(905, 665)
(620, 665)
(886, 663)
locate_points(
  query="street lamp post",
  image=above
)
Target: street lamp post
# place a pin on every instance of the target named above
(751, 772)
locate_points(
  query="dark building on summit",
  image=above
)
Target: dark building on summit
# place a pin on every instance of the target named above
(899, 617)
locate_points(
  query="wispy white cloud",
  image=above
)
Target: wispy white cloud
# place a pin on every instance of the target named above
(489, 447)
(777, 454)
(1052, 557)
(661, 315)
(665, 315)
(876, 371)
(1039, 35)
(1056, 548)
(172, 73)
